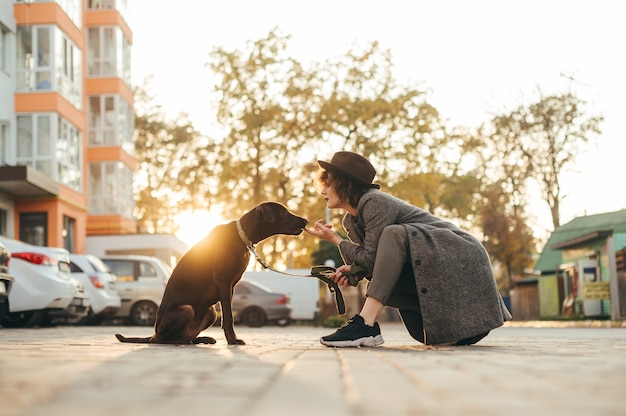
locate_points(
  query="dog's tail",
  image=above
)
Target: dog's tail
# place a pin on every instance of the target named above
(144, 340)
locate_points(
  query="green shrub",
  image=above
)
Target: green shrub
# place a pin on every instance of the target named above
(334, 321)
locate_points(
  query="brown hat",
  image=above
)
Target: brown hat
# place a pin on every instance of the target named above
(352, 165)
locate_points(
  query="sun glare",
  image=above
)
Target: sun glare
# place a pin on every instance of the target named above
(195, 225)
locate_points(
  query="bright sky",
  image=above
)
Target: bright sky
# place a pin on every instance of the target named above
(477, 57)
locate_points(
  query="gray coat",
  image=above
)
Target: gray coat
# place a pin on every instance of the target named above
(456, 290)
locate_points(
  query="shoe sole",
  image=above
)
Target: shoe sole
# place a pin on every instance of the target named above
(360, 342)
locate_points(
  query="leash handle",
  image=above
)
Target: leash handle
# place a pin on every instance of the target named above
(354, 276)
(323, 273)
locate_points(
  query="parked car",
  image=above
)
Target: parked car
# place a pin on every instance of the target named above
(255, 305)
(99, 283)
(304, 294)
(43, 290)
(140, 282)
(6, 280)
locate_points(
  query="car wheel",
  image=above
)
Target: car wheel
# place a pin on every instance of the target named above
(254, 317)
(143, 313)
(26, 319)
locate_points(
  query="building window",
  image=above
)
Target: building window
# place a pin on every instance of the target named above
(34, 228)
(4, 45)
(69, 229)
(108, 52)
(50, 144)
(34, 142)
(73, 9)
(120, 5)
(111, 122)
(69, 73)
(100, 4)
(47, 60)
(110, 189)
(5, 159)
(3, 222)
(34, 59)
(68, 155)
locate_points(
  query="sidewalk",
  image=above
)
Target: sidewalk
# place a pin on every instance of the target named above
(516, 370)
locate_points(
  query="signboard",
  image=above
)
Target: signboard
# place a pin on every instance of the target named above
(596, 291)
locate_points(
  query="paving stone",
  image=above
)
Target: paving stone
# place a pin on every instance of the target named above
(520, 369)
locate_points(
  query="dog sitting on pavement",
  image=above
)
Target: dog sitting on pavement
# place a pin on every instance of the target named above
(208, 273)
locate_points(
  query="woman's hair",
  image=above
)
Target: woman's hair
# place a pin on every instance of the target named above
(346, 189)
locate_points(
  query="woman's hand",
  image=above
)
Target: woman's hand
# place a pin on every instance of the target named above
(339, 277)
(325, 232)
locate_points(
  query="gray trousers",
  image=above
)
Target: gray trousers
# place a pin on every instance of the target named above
(392, 280)
(394, 285)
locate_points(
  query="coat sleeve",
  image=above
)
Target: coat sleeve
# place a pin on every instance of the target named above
(364, 231)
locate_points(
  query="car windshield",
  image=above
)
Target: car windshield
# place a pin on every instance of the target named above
(167, 269)
(98, 265)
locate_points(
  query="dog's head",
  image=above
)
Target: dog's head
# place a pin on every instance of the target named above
(285, 221)
(271, 218)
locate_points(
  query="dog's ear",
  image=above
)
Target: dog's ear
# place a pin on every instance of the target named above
(267, 211)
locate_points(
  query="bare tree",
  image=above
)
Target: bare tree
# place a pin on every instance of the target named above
(543, 139)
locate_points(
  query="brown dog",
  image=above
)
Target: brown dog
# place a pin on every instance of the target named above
(208, 272)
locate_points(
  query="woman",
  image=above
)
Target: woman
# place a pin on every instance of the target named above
(437, 275)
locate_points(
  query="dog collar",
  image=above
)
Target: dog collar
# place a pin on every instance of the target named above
(242, 235)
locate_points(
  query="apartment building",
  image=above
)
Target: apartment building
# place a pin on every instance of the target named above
(66, 121)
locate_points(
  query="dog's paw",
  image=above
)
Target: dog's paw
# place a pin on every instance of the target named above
(204, 340)
(237, 342)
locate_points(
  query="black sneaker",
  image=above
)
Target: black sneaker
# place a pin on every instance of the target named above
(354, 333)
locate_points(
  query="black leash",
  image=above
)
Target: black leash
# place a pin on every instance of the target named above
(322, 273)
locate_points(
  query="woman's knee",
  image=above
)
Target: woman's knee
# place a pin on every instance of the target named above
(393, 244)
(394, 232)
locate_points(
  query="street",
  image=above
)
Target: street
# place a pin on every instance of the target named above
(517, 369)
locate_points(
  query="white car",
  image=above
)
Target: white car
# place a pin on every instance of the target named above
(99, 283)
(140, 282)
(43, 290)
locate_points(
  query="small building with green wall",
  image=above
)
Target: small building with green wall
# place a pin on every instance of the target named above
(581, 269)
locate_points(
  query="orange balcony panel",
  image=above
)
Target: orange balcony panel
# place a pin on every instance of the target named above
(108, 18)
(49, 102)
(36, 13)
(110, 225)
(107, 154)
(109, 86)
(48, 14)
